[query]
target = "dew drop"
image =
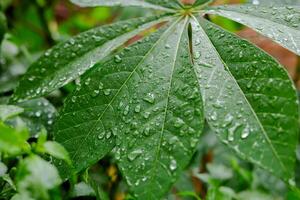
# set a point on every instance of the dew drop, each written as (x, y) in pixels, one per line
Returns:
(118, 59)
(173, 165)
(150, 98)
(134, 154)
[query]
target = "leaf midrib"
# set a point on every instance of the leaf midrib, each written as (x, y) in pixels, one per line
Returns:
(167, 102)
(114, 97)
(250, 106)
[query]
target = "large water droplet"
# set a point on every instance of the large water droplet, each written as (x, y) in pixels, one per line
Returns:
(134, 154)
(150, 97)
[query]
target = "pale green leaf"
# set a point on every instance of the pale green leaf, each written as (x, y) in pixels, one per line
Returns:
(280, 23)
(145, 101)
(35, 177)
(56, 150)
(249, 99)
(12, 141)
(67, 61)
(165, 5)
(9, 111)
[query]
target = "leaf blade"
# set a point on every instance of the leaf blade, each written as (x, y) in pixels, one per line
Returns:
(137, 102)
(160, 146)
(255, 138)
(67, 61)
(70, 130)
(281, 24)
(153, 4)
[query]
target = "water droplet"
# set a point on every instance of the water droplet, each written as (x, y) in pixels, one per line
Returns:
(107, 92)
(178, 123)
(246, 132)
(137, 109)
(173, 165)
(118, 59)
(101, 135)
(150, 98)
(126, 111)
(134, 154)
(232, 131)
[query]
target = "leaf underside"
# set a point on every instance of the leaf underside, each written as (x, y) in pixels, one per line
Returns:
(153, 4)
(147, 106)
(249, 99)
(280, 23)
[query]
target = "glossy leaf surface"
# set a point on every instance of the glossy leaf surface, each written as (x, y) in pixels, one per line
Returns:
(145, 102)
(153, 4)
(67, 61)
(280, 23)
(249, 99)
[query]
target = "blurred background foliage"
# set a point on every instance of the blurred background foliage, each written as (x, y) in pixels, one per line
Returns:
(215, 172)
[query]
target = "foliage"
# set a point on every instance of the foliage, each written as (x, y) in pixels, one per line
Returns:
(140, 93)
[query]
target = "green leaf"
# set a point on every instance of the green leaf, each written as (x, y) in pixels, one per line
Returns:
(281, 24)
(38, 114)
(67, 61)
(146, 102)
(12, 141)
(275, 2)
(35, 177)
(249, 99)
(9, 111)
(2, 26)
(153, 4)
(3, 169)
(83, 189)
(56, 150)
(201, 2)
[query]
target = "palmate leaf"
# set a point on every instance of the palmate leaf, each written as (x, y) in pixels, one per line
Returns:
(282, 24)
(146, 105)
(67, 61)
(249, 99)
(165, 5)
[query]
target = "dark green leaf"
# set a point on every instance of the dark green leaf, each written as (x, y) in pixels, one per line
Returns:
(67, 61)
(282, 24)
(9, 111)
(250, 101)
(146, 101)
(153, 4)
(2, 26)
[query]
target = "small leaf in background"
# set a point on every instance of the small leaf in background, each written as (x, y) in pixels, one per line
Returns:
(9, 111)
(35, 177)
(56, 150)
(82, 189)
(3, 169)
(13, 141)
